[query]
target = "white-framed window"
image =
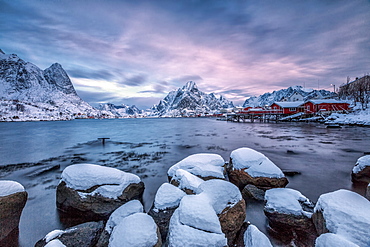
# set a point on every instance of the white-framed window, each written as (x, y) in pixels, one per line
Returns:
(292, 109)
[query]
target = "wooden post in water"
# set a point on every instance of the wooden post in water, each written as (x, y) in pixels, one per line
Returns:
(103, 139)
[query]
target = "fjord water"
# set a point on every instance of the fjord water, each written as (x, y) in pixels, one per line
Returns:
(148, 147)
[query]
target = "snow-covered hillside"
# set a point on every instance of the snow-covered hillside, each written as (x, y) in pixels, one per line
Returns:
(296, 91)
(121, 111)
(29, 93)
(188, 101)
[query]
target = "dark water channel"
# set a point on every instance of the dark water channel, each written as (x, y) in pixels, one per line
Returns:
(35, 154)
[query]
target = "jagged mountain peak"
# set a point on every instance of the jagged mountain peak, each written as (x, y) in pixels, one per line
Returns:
(190, 86)
(1, 52)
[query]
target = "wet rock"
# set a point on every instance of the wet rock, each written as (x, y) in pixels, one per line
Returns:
(290, 215)
(136, 230)
(166, 200)
(83, 235)
(251, 191)
(204, 165)
(291, 173)
(93, 192)
(368, 192)
(13, 198)
(361, 171)
(345, 213)
(247, 166)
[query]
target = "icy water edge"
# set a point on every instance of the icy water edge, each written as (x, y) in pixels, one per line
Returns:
(35, 154)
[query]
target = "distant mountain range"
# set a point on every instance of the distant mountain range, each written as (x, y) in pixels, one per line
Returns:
(188, 101)
(120, 111)
(294, 93)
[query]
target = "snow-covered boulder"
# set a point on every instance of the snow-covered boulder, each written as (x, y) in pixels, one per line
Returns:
(136, 230)
(204, 165)
(166, 200)
(83, 235)
(253, 237)
(290, 214)
(129, 208)
(217, 210)
(344, 213)
(94, 192)
(247, 166)
(13, 198)
(361, 171)
(186, 181)
(331, 239)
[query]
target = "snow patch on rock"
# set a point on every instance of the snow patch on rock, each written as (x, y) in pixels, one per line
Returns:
(111, 181)
(168, 196)
(254, 163)
(361, 163)
(253, 237)
(187, 180)
(331, 239)
(8, 187)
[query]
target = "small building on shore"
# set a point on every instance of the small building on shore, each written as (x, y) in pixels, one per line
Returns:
(326, 105)
(288, 107)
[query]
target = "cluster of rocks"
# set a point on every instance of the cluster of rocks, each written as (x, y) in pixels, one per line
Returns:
(203, 204)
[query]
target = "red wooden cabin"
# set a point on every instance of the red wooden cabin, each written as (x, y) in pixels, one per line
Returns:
(288, 107)
(313, 106)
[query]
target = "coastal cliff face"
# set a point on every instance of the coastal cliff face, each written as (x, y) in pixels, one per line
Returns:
(190, 100)
(30, 93)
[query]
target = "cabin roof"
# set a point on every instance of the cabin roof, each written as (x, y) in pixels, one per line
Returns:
(289, 104)
(328, 101)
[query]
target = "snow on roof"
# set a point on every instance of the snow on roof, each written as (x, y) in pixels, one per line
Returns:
(331, 239)
(328, 101)
(135, 230)
(8, 187)
(255, 238)
(361, 164)
(129, 208)
(168, 196)
(287, 201)
(203, 164)
(187, 180)
(186, 236)
(112, 181)
(347, 214)
(221, 193)
(255, 163)
(289, 104)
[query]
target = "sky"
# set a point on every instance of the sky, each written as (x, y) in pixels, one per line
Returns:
(135, 52)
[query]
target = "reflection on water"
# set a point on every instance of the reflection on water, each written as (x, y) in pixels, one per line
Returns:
(323, 158)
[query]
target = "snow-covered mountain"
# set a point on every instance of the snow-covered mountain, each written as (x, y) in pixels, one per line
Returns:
(294, 93)
(189, 100)
(120, 111)
(30, 93)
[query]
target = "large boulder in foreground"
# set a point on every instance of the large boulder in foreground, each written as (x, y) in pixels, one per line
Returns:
(247, 166)
(93, 192)
(361, 171)
(13, 198)
(83, 235)
(166, 200)
(344, 213)
(331, 239)
(136, 230)
(290, 215)
(204, 165)
(213, 217)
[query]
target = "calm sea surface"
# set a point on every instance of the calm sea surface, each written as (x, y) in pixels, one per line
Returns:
(148, 147)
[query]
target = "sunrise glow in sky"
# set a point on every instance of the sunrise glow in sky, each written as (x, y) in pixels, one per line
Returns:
(135, 52)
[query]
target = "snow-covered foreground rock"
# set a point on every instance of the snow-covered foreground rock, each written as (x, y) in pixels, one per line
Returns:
(166, 200)
(290, 215)
(83, 235)
(203, 165)
(361, 171)
(331, 239)
(213, 217)
(344, 213)
(255, 238)
(248, 166)
(13, 198)
(94, 192)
